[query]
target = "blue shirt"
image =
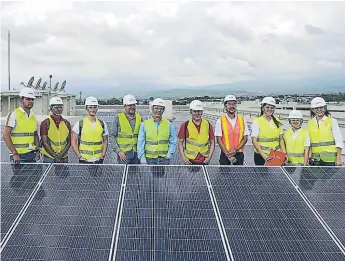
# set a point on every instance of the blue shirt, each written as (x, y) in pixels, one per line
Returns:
(142, 139)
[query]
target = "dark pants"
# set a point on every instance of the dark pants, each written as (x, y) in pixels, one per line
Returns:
(93, 162)
(158, 161)
(27, 157)
(313, 162)
(50, 160)
(131, 156)
(197, 163)
(258, 159)
(223, 160)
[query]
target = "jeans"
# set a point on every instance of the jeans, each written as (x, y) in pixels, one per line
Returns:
(131, 156)
(27, 157)
(50, 160)
(158, 161)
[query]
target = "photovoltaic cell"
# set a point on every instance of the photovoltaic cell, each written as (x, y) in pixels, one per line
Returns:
(325, 189)
(74, 217)
(168, 215)
(266, 219)
(17, 184)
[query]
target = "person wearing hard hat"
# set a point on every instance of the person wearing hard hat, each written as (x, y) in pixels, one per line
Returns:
(125, 131)
(297, 140)
(90, 135)
(196, 137)
(232, 133)
(326, 141)
(20, 131)
(55, 133)
(157, 138)
(267, 132)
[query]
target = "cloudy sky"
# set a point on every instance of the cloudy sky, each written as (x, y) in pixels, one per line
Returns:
(186, 44)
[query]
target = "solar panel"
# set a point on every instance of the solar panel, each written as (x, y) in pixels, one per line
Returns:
(325, 189)
(265, 218)
(18, 181)
(73, 219)
(168, 215)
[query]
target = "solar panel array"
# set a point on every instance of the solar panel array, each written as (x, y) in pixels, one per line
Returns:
(118, 212)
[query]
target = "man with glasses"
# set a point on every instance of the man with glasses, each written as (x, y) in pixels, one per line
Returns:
(55, 134)
(157, 138)
(196, 137)
(90, 135)
(125, 131)
(20, 131)
(232, 134)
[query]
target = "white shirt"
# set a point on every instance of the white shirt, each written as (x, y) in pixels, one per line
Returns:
(338, 138)
(218, 130)
(256, 130)
(11, 121)
(307, 140)
(93, 124)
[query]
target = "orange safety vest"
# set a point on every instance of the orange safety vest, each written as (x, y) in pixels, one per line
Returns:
(231, 137)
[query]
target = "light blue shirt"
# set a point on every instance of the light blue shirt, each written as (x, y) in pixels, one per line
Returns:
(142, 139)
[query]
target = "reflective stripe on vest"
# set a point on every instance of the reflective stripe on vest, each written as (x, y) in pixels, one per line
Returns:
(91, 140)
(157, 139)
(197, 142)
(126, 137)
(269, 135)
(295, 148)
(232, 137)
(57, 137)
(23, 134)
(321, 140)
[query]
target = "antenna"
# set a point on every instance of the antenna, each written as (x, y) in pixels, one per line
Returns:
(44, 86)
(56, 86)
(80, 95)
(62, 88)
(38, 83)
(30, 82)
(22, 84)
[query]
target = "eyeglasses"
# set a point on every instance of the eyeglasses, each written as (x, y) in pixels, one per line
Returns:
(57, 107)
(92, 107)
(195, 111)
(269, 107)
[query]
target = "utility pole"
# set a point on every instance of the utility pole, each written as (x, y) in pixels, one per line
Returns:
(9, 63)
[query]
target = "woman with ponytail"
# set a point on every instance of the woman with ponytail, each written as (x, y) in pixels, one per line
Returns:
(267, 132)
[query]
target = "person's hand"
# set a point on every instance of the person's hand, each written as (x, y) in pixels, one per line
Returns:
(16, 159)
(338, 162)
(233, 160)
(232, 153)
(207, 160)
(267, 158)
(186, 160)
(82, 158)
(38, 155)
(286, 161)
(122, 155)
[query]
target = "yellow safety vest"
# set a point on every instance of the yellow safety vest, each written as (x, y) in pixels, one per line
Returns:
(295, 148)
(57, 137)
(322, 142)
(23, 133)
(91, 140)
(268, 137)
(126, 137)
(197, 142)
(157, 139)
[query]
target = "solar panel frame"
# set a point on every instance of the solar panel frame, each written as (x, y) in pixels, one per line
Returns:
(243, 249)
(324, 189)
(61, 238)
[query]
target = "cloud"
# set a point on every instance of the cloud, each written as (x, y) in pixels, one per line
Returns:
(177, 44)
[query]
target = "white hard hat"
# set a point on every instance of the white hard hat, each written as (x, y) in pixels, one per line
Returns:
(158, 102)
(27, 93)
(129, 99)
(317, 102)
(295, 115)
(269, 100)
(90, 101)
(196, 105)
(229, 98)
(55, 101)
